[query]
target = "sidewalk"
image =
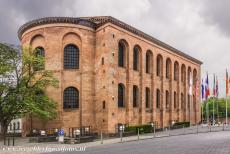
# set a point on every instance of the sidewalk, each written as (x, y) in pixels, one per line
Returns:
(24, 142)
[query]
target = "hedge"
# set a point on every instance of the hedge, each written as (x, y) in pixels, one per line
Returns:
(142, 128)
(185, 124)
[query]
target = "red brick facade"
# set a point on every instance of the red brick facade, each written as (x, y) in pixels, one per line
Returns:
(99, 74)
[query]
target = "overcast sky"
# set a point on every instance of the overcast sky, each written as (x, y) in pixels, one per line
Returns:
(200, 28)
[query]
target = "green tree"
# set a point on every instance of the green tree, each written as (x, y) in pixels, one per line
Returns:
(23, 85)
(219, 107)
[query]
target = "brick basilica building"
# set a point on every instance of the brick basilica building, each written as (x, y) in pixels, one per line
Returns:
(110, 73)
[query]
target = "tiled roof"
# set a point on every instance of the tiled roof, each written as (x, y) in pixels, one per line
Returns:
(95, 22)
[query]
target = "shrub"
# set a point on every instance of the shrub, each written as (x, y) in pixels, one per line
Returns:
(147, 128)
(184, 123)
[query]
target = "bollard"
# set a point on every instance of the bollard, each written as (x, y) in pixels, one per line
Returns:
(101, 138)
(121, 135)
(210, 128)
(223, 126)
(154, 131)
(138, 134)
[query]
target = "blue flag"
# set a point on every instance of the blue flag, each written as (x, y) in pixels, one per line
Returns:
(202, 90)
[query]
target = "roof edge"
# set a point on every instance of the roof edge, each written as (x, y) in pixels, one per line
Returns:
(98, 21)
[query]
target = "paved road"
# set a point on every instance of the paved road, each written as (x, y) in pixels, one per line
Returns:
(205, 143)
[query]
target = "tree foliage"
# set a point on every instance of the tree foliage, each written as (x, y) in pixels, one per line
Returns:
(219, 107)
(22, 85)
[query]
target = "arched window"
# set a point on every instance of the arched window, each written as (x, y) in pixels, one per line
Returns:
(14, 126)
(158, 96)
(183, 73)
(136, 59)
(71, 57)
(189, 74)
(121, 95)
(159, 65)
(194, 77)
(135, 96)
(18, 125)
(70, 98)
(121, 54)
(167, 98)
(168, 68)
(182, 101)
(147, 97)
(148, 61)
(39, 52)
(176, 71)
(175, 100)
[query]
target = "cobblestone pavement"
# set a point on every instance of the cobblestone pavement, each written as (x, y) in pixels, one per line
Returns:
(205, 143)
(212, 143)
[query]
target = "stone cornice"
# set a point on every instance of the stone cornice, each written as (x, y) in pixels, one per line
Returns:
(95, 22)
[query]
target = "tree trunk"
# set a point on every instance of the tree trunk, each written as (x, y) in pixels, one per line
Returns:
(3, 131)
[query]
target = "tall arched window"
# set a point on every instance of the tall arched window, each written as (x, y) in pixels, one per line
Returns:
(148, 61)
(135, 96)
(183, 73)
(121, 95)
(168, 68)
(121, 54)
(147, 97)
(167, 99)
(175, 100)
(70, 98)
(159, 65)
(136, 59)
(194, 77)
(189, 74)
(182, 101)
(176, 71)
(158, 98)
(39, 52)
(71, 57)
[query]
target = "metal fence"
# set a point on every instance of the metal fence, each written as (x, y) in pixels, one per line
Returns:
(166, 132)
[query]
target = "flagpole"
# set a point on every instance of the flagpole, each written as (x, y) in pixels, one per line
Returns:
(202, 114)
(207, 114)
(226, 120)
(213, 117)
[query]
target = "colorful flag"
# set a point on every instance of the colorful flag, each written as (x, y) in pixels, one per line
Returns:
(227, 81)
(202, 90)
(217, 88)
(207, 92)
(190, 84)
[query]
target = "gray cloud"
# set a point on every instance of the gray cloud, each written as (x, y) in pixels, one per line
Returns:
(217, 13)
(199, 28)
